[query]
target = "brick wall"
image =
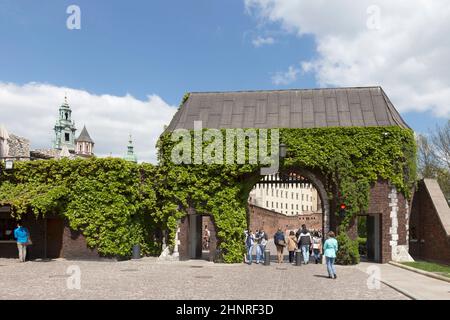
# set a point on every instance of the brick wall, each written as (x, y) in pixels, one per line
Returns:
(183, 237)
(381, 204)
(74, 245)
(209, 221)
(268, 220)
(428, 239)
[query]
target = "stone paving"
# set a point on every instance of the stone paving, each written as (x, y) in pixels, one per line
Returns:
(149, 278)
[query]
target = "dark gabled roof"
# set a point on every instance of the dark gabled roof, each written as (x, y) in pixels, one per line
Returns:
(304, 108)
(84, 136)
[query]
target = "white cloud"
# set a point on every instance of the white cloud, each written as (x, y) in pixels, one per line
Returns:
(402, 45)
(285, 77)
(31, 111)
(260, 41)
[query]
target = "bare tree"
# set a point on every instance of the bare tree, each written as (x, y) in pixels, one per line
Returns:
(441, 142)
(434, 157)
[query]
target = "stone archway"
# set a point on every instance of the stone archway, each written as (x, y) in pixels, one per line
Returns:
(285, 177)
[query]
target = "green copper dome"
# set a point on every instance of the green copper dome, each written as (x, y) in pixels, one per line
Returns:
(130, 156)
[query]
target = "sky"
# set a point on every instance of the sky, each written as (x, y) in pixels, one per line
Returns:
(127, 68)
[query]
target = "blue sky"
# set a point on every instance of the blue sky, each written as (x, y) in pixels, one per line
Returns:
(166, 48)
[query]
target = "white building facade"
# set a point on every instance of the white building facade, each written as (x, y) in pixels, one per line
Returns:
(289, 199)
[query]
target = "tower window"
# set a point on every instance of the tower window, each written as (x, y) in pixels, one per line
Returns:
(67, 137)
(66, 115)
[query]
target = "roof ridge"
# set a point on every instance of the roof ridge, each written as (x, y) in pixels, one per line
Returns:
(284, 90)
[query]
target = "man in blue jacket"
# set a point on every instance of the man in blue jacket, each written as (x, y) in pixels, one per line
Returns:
(22, 236)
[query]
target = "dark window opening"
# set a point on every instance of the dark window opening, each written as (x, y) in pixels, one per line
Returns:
(7, 227)
(67, 136)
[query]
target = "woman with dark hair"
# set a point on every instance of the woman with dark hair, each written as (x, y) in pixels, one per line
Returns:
(23, 239)
(330, 249)
(280, 243)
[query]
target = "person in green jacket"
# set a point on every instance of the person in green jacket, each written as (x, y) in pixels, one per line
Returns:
(330, 249)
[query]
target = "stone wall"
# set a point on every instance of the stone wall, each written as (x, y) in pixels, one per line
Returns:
(19, 147)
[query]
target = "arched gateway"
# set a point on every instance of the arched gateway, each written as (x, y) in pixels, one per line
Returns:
(317, 116)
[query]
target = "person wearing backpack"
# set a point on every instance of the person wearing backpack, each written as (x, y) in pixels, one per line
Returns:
(250, 243)
(22, 236)
(280, 243)
(304, 243)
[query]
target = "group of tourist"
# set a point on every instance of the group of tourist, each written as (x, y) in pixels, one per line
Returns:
(258, 241)
(309, 244)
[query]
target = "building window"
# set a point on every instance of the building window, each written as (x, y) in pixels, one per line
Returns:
(296, 206)
(267, 204)
(281, 194)
(272, 204)
(296, 196)
(303, 197)
(277, 193)
(292, 195)
(292, 206)
(303, 209)
(276, 204)
(67, 137)
(285, 206)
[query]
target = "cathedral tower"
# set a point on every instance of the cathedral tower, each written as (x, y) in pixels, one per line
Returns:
(130, 156)
(65, 129)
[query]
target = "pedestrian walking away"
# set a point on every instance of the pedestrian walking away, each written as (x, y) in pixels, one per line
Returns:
(304, 243)
(330, 248)
(317, 246)
(292, 246)
(280, 243)
(22, 236)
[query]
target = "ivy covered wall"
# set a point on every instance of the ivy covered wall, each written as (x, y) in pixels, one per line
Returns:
(117, 204)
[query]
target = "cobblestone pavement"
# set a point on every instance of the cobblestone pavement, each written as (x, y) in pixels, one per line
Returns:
(149, 278)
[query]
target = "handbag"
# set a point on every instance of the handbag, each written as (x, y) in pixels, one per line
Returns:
(29, 242)
(281, 243)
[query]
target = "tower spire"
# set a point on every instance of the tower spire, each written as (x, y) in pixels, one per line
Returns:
(130, 156)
